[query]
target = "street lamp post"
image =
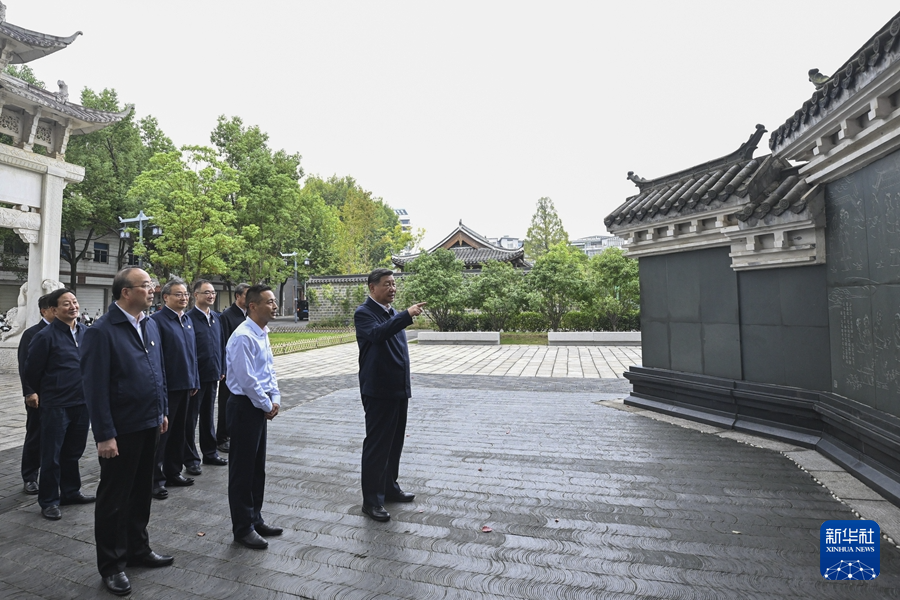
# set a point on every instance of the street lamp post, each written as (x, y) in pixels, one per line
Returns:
(294, 254)
(140, 219)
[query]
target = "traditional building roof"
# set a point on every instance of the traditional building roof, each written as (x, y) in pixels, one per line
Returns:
(19, 45)
(82, 119)
(833, 92)
(472, 248)
(753, 186)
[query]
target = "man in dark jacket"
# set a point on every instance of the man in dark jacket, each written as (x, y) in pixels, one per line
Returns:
(179, 347)
(125, 388)
(53, 370)
(232, 316)
(31, 448)
(385, 388)
(211, 364)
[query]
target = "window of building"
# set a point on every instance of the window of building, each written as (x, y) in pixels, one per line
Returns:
(131, 260)
(64, 249)
(101, 252)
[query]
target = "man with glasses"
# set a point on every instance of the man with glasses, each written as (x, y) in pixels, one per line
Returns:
(179, 346)
(232, 316)
(210, 361)
(125, 389)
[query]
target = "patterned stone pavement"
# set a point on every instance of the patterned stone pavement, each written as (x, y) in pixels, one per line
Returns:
(586, 498)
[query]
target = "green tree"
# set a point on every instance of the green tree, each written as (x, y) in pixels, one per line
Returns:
(436, 278)
(614, 288)
(559, 278)
(499, 293)
(25, 73)
(271, 217)
(186, 192)
(112, 158)
(546, 230)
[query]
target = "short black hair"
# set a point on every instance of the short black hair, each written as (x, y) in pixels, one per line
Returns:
(377, 275)
(255, 292)
(53, 297)
(120, 282)
(42, 302)
(198, 284)
(241, 289)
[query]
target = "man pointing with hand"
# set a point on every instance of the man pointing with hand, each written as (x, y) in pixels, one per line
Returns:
(385, 388)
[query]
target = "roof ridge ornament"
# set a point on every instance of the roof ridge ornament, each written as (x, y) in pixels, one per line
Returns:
(636, 179)
(818, 79)
(63, 94)
(2, 12)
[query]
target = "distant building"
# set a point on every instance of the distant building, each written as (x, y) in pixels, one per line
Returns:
(471, 248)
(508, 242)
(405, 222)
(595, 244)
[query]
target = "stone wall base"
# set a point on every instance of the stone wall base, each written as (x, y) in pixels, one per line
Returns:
(861, 439)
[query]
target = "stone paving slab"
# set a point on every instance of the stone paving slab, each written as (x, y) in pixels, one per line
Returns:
(585, 501)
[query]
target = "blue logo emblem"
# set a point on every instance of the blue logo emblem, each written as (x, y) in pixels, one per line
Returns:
(850, 550)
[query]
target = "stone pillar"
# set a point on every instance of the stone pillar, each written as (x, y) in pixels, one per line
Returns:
(43, 256)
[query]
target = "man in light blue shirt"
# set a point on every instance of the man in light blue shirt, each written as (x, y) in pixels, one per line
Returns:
(254, 400)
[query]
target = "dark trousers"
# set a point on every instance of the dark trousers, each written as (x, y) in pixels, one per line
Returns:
(201, 407)
(170, 450)
(31, 449)
(222, 421)
(385, 432)
(246, 464)
(123, 501)
(64, 432)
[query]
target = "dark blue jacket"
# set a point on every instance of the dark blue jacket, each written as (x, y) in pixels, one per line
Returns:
(210, 359)
(124, 379)
(179, 349)
(231, 317)
(24, 342)
(383, 351)
(53, 368)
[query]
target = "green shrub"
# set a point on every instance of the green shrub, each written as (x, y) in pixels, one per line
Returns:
(578, 321)
(529, 321)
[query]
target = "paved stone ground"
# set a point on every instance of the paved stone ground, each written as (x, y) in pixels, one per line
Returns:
(586, 499)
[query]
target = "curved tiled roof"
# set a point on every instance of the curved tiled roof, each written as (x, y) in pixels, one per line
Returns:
(93, 119)
(833, 92)
(759, 187)
(32, 44)
(472, 257)
(690, 189)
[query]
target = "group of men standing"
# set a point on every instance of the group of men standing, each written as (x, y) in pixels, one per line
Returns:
(142, 384)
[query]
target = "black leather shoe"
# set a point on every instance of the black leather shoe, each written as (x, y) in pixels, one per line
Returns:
(401, 497)
(31, 488)
(78, 498)
(253, 541)
(224, 446)
(160, 493)
(376, 512)
(179, 481)
(118, 584)
(215, 460)
(267, 530)
(152, 561)
(52, 513)
(193, 470)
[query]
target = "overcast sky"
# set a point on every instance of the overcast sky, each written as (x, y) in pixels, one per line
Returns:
(465, 110)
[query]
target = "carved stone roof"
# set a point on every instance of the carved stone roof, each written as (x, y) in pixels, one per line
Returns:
(881, 50)
(30, 45)
(87, 119)
(472, 248)
(754, 187)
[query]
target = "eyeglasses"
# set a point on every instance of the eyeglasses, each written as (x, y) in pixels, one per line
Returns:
(180, 295)
(213, 293)
(143, 286)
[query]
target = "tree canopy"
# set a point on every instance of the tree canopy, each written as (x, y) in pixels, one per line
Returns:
(546, 230)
